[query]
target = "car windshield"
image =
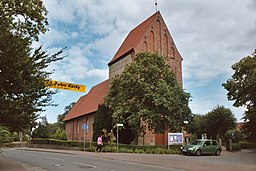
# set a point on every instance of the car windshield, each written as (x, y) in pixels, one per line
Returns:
(197, 142)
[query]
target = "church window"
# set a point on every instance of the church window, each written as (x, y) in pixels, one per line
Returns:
(165, 43)
(145, 46)
(172, 52)
(159, 36)
(152, 41)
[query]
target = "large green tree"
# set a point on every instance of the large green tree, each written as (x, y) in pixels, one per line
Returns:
(22, 69)
(147, 94)
(43, 129)
(102, 120)
(197, 125)
(241, 88)
(219, 121)
(214, 123)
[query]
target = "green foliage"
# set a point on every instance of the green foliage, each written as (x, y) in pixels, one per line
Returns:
(102, 121)
(247, 145)
(241, 88)
(42, 131)
(59, 142)
(52, 130)
(214, 123)
(197, 125)
(4, 135)
(123, 148)
(25, 18)
(22, 69)
(234, 135)
(60, 134)
(148, 92)
(236, 146)
(219, 121)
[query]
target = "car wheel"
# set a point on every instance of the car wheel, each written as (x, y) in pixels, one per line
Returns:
(217, 152)
(198, 152)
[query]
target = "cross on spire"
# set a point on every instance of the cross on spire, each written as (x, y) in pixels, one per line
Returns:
(156, 4)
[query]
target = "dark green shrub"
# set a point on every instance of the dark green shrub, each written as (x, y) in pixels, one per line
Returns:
(248, 145)
(4, 135)
(234, 135)
(124, 148)
(236, 146)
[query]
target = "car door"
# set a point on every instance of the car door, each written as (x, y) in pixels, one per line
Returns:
(206, 148)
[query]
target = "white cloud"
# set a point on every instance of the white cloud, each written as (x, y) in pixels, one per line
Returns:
(210, 35)
(53, 37)
(102, 74)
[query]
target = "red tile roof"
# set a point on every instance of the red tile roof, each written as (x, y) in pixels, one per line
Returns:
(89, 102)
(133, 38)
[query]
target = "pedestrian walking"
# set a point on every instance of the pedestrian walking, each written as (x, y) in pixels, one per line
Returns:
(99, 143)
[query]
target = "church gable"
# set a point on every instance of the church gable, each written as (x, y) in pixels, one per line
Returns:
(151, 35)
(157, 38)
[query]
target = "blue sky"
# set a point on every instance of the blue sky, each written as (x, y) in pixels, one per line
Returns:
(210, 35)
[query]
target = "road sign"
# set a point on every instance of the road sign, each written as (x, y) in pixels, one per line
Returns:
(84, 127)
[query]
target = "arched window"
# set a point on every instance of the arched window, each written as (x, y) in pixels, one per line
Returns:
(152, 41)
(172, 52)
(165, 44)
(159, 46)
(145, 46)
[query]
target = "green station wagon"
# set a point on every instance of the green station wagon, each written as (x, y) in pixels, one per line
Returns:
(202, 146)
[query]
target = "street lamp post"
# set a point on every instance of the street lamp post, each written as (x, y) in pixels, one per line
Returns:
(117, 135)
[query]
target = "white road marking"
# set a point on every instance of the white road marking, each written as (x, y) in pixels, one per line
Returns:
(53, 158)
(83, 164)
(33, 155)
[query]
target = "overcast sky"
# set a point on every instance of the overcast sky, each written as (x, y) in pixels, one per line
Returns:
(210, 36)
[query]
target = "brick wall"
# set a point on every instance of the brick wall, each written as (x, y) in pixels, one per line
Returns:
(74, 128)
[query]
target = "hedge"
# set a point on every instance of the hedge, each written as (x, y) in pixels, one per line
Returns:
(126, 148)
(247, 145)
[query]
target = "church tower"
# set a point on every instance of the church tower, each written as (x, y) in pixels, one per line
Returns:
(152, 35)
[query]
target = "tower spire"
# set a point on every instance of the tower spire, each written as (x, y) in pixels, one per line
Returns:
(156, 4)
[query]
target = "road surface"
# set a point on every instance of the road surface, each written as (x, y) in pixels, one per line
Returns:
(55, 160)
(43, 161)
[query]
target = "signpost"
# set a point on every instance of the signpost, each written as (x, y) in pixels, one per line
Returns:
(85, 128)
(117, 136)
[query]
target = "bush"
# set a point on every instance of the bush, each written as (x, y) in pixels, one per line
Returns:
(248, 145)
(4, 135)
(236, 146)
(234, 135)
(108, 147)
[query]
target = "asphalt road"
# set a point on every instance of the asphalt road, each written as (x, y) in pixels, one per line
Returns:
(55, 160)
(67, 162)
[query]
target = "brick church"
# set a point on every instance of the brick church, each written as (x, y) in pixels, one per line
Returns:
(151, 35)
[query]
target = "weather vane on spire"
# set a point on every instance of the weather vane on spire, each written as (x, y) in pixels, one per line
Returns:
(156, 4)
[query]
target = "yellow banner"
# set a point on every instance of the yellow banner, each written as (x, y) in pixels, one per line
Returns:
(65, 86)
